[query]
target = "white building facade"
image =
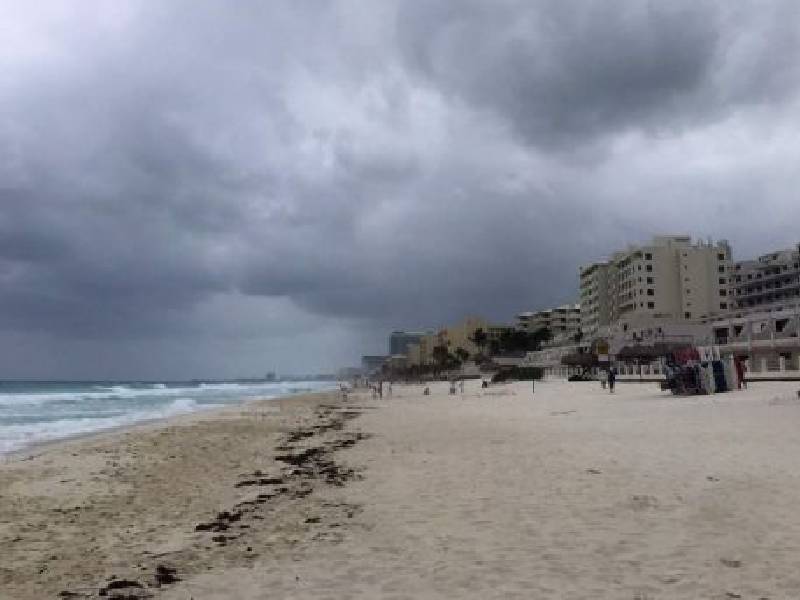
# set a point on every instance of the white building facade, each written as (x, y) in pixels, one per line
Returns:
(770, 282)
(563, 320)
(595, 299)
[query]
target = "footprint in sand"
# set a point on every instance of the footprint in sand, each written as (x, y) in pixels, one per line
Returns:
(643, 502)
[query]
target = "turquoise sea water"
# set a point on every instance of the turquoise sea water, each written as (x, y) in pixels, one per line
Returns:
(32, 412)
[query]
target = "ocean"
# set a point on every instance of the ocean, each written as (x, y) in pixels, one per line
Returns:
(32, 412)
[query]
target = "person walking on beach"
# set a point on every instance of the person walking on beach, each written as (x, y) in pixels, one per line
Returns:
(612, 379)
(603, 378)
(741, 382)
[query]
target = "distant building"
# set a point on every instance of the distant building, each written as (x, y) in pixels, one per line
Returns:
(371, 364)
(595, 310)
(670, 278)
(763, 325)
(455, 337)
(563, 320)
(772, 281)
(399, 341)
(769, 340)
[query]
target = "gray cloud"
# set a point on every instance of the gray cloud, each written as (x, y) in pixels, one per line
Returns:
(564, 75)
(283, 183)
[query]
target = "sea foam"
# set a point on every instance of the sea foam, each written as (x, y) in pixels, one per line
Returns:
(37, 412)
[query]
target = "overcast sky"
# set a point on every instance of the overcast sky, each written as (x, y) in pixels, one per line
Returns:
(196, 188)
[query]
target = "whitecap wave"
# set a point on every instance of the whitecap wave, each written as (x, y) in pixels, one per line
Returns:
(28, 417)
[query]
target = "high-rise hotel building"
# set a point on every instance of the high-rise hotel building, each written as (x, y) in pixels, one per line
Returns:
(770, 282)
(670, 278)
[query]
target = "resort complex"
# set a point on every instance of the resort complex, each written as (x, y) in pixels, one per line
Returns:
(635, 307)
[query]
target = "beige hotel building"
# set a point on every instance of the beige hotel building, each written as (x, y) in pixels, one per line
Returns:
(669, 279)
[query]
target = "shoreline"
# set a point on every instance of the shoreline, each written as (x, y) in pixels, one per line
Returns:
(32, 447)
(136, 499)
(567, 491)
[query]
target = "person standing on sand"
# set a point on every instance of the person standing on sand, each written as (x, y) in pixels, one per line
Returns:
(612, 379)
(603, 378)
(740, 369)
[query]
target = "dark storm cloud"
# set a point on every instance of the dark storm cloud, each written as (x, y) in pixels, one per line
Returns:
(564, 73)
(300, 177)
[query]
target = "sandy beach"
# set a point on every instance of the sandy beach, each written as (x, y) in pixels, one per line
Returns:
(566, 493)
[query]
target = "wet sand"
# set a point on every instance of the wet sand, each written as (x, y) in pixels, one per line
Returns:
(155, 503)
(498, 493)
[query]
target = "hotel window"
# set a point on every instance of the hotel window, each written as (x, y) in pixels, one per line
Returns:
(723, 305)
(721, 256)
(687, 315)
(650, 292)
(651, 305)
(723, 292)
(650, 280)
(722, 268)
(648, 256)
(722, 281)
(649, 268)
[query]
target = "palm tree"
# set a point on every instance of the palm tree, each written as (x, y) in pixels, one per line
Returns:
(462, 354)
(441, 356)
(479, 338)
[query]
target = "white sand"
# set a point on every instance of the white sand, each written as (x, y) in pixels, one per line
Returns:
(491, 496)
(568, 493)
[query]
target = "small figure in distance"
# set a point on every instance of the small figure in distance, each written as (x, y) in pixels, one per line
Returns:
(484, 384)
(741, 382)
(461, 385)
(603, 378)
(452, 387)
(427, 391)
(612, 379)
